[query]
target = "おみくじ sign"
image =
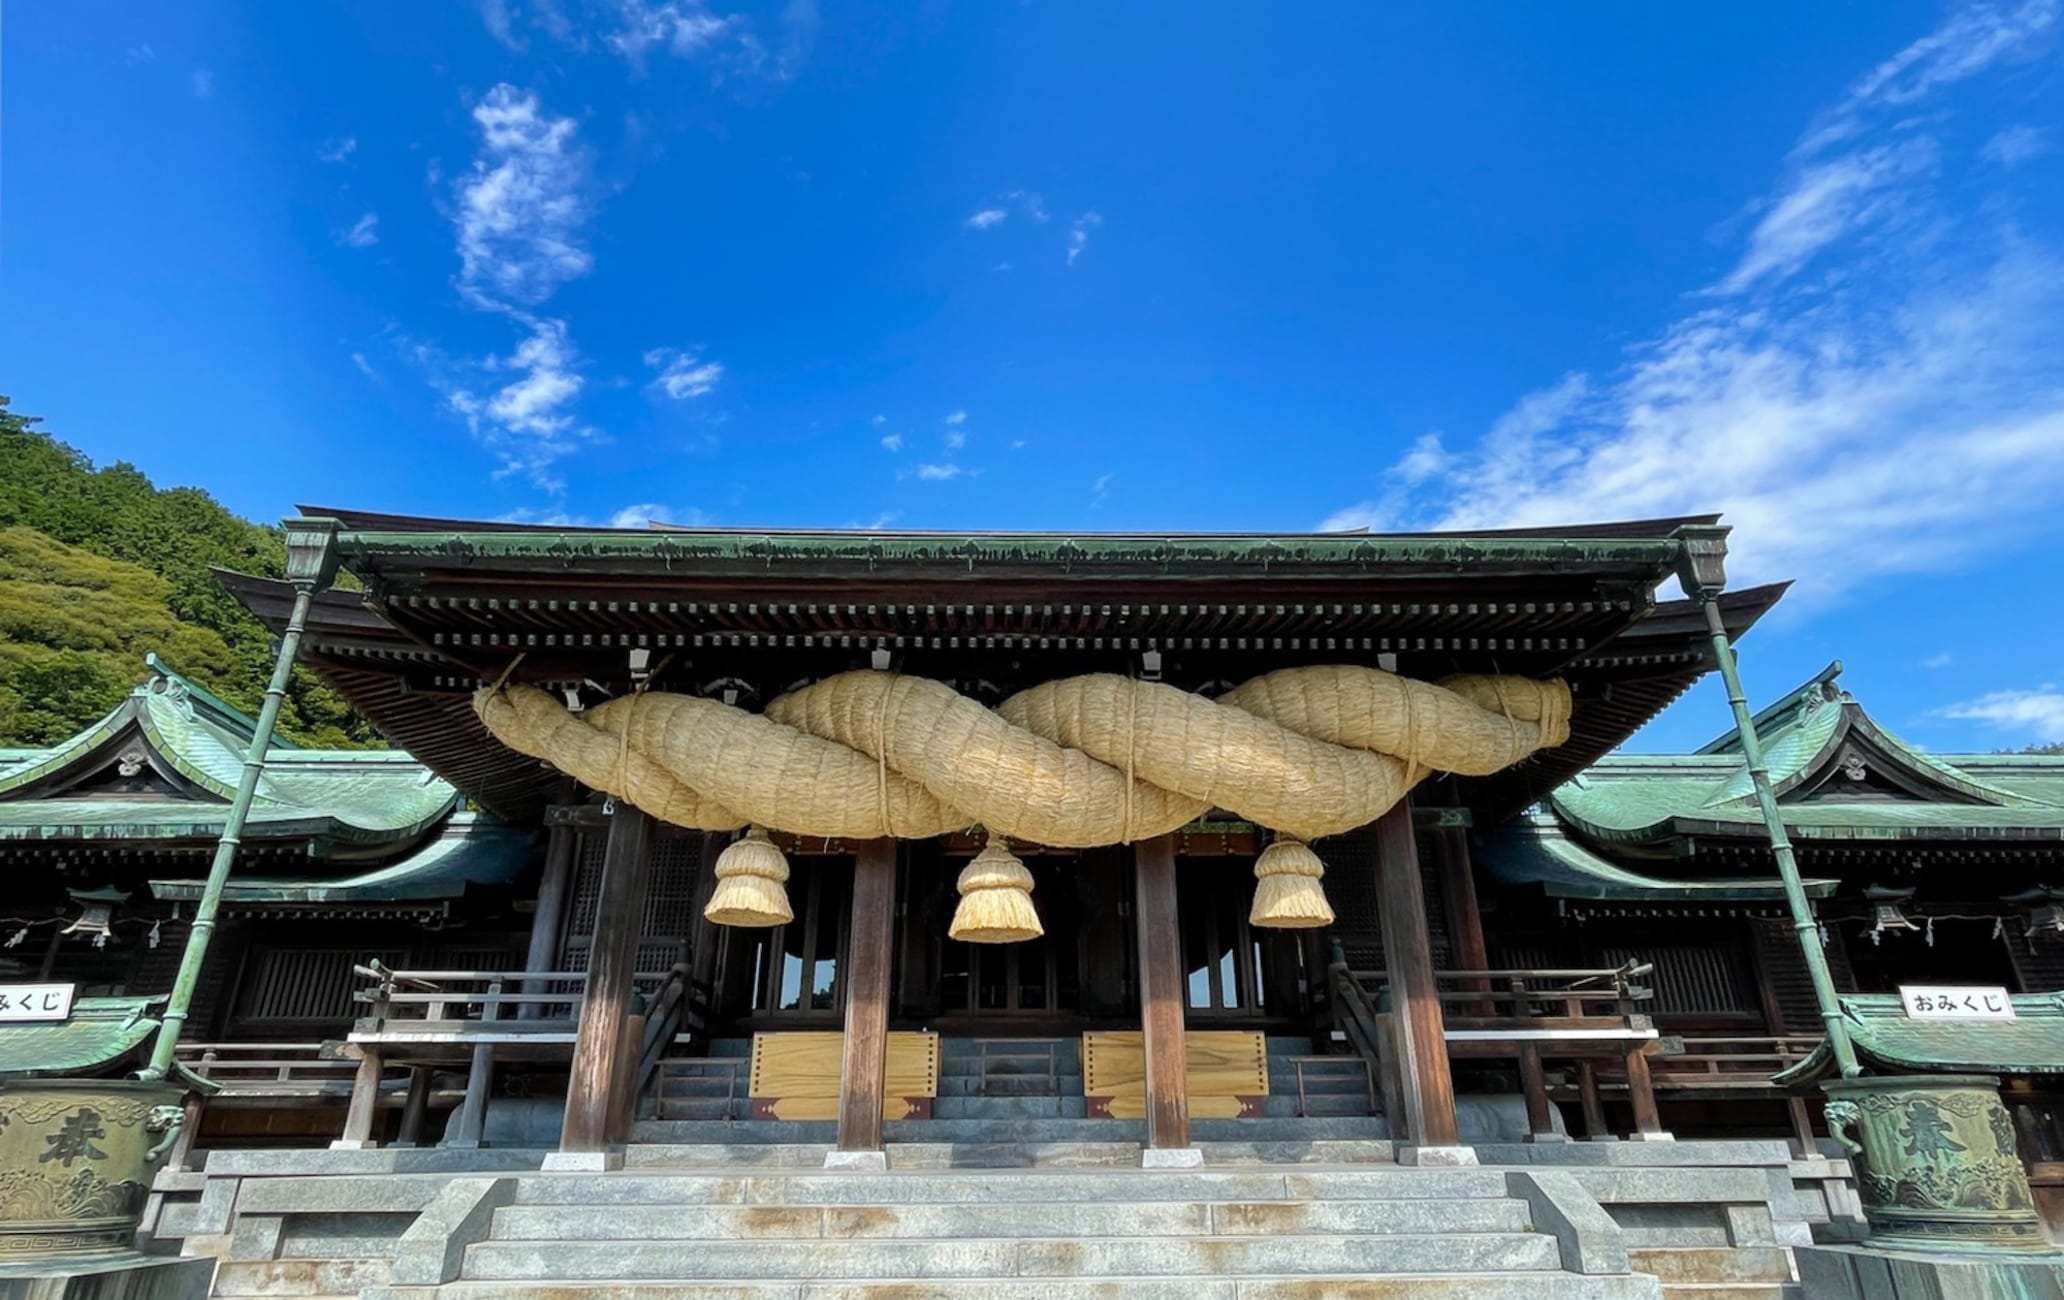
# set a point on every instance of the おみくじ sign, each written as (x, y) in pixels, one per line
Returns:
(1952, 1002)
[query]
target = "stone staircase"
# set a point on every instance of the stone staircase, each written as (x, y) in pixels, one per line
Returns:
(1255, 1233)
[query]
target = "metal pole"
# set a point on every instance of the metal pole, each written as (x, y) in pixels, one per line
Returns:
(308, 572)
(1781, 845)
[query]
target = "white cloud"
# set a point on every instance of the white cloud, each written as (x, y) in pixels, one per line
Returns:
(1078, 234)
(494, 14)
(683, 375)
(521, 205)
(1017, 444)
(1100, 490)
(1940, 659)
(892, 441)
(337, 148)
(365, 367)
(364, 232)
(957, 418)
(203, 84)
(136, 54)
(938, 473)
(879, 420)
(528, 421)
(2014, 145)
(683, 28)
(2036, 714)
(986, 218)
(1901, 411)
(1030, 203)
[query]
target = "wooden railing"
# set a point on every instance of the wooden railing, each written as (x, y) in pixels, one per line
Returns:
(1539, 999)
(283, 1070)
(1730, 1061)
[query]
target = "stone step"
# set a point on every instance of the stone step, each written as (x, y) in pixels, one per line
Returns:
(921, 1187)
(1727, 1265)
(299, 1278)
(1733, 1291)
(1010, 1085)
(1022, 1257)
(1268, 1129)
(1009, 1108)
(1003, 1155)
(1028, 1219)
(1396, 1286)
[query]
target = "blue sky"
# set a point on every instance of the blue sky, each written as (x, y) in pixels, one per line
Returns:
(1072, 266)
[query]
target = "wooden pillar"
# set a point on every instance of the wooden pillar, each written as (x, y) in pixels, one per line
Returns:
(415, 1107)
(1802, 1125)
(871, 944)
(365, 1102)
(1594, 1106)
(591, 1088)
(1161, 994)
(1533, 1085)
(1465, 917)
(1648, 1122)
(1428, 1102)
(471, 1121)
(549, 916)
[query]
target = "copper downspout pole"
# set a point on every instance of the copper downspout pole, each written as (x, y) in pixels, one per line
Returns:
(311, 564)
(1702, 570)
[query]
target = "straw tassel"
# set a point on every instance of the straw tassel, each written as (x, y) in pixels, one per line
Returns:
(751, 877)
(1287, 893)
(995, 899)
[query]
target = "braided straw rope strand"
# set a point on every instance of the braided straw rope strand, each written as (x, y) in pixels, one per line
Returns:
(1075, 763)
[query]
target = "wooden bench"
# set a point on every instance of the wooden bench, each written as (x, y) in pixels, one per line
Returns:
(798, 1075)
(1227, 1073)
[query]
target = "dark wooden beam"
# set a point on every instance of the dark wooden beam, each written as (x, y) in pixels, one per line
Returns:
(1428, 1091)
(592, 1083)
(1161, 993)
(871, 946)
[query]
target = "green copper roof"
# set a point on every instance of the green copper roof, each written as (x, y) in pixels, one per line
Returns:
(196, 744)
(2031, 1043)
(102, 1035)
(1811, 737)
(471, 849)
(1535, 850)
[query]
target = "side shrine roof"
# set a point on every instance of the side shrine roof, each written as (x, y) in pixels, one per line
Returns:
(448, 606)
(101, 1035)
(164, 764)
(1838, 775)
(470, 849)
(2031, 1043)
(1535, 849)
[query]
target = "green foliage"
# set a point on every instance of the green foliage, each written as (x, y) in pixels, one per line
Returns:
(98, 567)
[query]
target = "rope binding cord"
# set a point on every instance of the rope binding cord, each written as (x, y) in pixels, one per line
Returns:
(1307, 752)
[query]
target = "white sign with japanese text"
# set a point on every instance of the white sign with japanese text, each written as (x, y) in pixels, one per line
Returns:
(20, 1002)
(1954, 1002)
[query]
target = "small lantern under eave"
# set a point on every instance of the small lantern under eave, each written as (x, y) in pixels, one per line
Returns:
(995, 899)
(96, 915)
(1287, 892)
(1885, 913)
(752, 880)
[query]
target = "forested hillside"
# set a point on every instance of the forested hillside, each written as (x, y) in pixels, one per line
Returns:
(99, 567)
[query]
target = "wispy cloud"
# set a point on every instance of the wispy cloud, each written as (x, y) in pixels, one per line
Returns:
(683, 375)
(2032, 714)
(522, 204)
(1849, 346)
(337, 148)
(892, 441)
(938, 473)
(985, 218)
(1940, 659)
(1026, 203)
(879, 420)
(500, 23)
(203, 84)
(1078, 234)
(647, 513)
(136, 54)
(528, 420)
(1100, 490)
(365, 367)
(956, 432)
(364, 233)
(2015, 145)
(518, 215)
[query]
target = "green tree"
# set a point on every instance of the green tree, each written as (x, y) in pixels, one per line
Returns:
(99, 567)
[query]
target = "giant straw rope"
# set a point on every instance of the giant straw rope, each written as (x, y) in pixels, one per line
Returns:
(1074, 763)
